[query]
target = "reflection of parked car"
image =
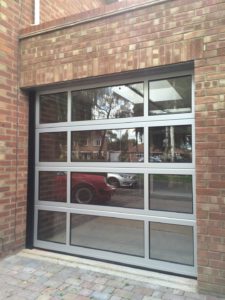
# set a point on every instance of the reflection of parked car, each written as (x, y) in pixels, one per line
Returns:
(86, 187)
(155, 158)
(121, 180)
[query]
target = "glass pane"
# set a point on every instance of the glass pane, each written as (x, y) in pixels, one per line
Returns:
(120, 101)
(52, 226)
(112, 189)
(172, 243)
(53, 108)
(170, 144)
(171, 193)
(53, 146)
(111, 145)
(172, 95)
(52, 186)
(109, 234)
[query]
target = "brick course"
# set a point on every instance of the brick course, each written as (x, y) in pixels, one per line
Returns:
(51, 10)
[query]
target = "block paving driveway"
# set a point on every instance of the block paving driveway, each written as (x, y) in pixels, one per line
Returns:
(30, 277)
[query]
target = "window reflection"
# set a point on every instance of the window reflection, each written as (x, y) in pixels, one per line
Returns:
(52, 226)
(171, 95)
(108, 189)
(52, 186)
(53, 108)
(53, 146)
(114, 145)
(170, 144)
(108, 234)
(120, 101)
(171, 193)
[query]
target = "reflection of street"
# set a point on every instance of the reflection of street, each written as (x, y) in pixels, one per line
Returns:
(109, 234)
(127, 197)
(175, 196)
(172, 243)
(182, 204)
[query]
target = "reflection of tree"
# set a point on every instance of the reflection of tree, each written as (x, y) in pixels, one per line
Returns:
(99, 103)
(114, 140)
(103, 136)
(107, 103)
(120, 142)
(166, 144)
(139, 131)
(62, 110)
(138, 111)
(106, 109)
(124, 146)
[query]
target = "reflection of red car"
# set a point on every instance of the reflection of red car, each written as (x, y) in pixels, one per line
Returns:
(86, 187)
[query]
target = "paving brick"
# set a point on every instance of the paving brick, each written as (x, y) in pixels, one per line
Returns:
(12, 286)
(100, 296)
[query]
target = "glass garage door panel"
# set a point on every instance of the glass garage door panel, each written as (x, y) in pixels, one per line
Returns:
(108, 189)
(52, 226)
(111, 145)
(108, 234)
(170, 144)
(52, 186)
(170, 95)
(121, 101)
(53, 147)
(172, 243)
(53, 108)
(171, 193)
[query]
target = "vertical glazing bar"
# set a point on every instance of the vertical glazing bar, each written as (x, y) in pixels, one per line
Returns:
(68, 186)
(146, 191)
(68, 146)
(67, 228)
(146, 240)
(146, 98)
(69, 106)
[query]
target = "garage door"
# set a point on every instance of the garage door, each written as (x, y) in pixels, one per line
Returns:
(115, 172)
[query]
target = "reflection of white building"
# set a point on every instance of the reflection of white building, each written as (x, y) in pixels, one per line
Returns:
(113, 156)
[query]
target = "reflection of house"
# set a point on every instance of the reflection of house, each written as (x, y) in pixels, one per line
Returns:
(97, 146)
(89, 145)
(136, 152)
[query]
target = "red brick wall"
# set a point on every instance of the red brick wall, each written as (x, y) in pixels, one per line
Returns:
(13, 129)
(171, 32)
(50, 10)
(27, 10)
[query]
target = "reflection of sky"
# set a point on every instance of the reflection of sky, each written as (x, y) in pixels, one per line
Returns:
(131, 133)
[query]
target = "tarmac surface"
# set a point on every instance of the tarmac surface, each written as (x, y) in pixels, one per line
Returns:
(42, 275)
